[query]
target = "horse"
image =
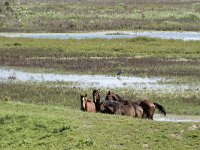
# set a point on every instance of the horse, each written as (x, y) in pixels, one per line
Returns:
(116, 97)
(148, 106)
(118, 108)
(87, 105)
(96, 99)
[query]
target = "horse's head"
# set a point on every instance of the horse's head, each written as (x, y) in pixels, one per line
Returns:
(114, 97)
(110, 96)
(96, 95)
(83, 101)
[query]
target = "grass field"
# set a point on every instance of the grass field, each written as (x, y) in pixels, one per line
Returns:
(25, 126)
(86, 15)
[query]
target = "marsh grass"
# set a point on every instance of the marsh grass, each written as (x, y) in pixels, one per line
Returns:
(138, 56)
(68, 16)
(28, 126)
(61, 94)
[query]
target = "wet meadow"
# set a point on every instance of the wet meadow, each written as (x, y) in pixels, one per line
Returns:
(137, 56)
(47, 115)
(141, 56)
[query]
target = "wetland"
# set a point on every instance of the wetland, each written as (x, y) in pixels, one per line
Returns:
(53, 51)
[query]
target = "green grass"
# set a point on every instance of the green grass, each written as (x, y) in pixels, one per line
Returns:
(70, 16)
(135, 47)
(175, 59)
(62, 94)
(137, 56)
(25, 126)
(48, 116)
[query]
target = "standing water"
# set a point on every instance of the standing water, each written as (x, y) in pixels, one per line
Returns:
(97, 81)
(109, 35)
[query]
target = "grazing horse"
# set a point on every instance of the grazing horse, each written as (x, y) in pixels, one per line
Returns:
(118, 108)
(96, 99)
(87, 105)
(147, 105)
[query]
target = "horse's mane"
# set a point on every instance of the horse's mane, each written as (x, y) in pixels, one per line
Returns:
(119, 97)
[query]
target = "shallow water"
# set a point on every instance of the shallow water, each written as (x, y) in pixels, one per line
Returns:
(176, 118)
(97, 81)
(109, 35)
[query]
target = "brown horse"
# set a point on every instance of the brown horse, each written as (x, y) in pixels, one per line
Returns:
(118, 108)
(87, 105)
(147, 105)
(96, 99)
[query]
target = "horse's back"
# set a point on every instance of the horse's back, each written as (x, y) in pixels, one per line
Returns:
(127, 110)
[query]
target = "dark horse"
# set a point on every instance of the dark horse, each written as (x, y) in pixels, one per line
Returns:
(87, 105)
(118, 108)
(147, 105)
(96, 99)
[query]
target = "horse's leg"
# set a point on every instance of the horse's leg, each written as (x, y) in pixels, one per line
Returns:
(118, 112)
(152, 113)
(148, 115)
(144, 115)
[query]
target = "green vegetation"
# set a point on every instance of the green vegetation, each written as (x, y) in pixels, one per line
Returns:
(138, 56)
(61, 94)
(70, 15)
(25, 126)
(135, 47)
(47, 115)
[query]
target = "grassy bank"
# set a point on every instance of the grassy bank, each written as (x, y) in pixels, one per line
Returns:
(70, 15)
(25, 126)
(175, 102)
(139, 56)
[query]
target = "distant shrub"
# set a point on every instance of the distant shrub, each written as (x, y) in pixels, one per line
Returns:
(17, 44)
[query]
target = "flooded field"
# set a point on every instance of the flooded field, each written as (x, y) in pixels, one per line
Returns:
(178, 95)
(97, 81)
(109, 35)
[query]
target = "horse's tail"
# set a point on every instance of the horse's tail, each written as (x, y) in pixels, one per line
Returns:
(160, 108)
